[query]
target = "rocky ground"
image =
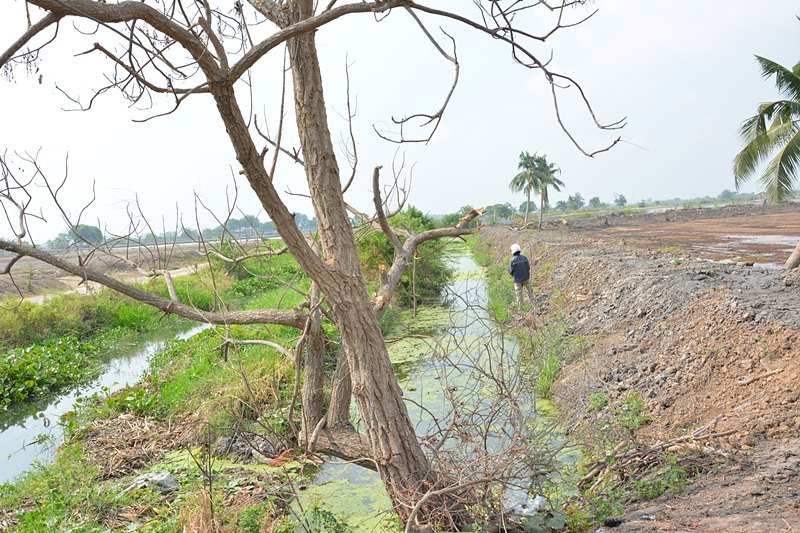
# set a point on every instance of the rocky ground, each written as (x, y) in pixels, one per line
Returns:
(705, 343)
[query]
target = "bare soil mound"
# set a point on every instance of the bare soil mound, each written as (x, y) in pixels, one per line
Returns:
(703, 343)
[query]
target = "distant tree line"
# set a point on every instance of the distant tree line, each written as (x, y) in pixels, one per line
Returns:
(248, 226)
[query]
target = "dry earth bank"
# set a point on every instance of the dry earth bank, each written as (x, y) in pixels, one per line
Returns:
(703, 343)
(32, 277)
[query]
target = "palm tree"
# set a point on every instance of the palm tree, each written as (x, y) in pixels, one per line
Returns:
(781, 138)
(526, 180)
(546, 173)
(536, 176)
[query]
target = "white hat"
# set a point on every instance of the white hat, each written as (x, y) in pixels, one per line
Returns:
(515, 248)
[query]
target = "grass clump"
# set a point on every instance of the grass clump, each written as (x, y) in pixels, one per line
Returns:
(550, 348)
(69, 315)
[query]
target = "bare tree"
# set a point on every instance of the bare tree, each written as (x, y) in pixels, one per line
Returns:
(181, 49)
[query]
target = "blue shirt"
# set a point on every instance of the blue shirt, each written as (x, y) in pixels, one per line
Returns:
(520, 268)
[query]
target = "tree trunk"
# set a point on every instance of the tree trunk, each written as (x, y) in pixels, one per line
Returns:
(794, 259)
(393, 443)
(341, 395)
(314, 368)
(541, 208)
(527, 205)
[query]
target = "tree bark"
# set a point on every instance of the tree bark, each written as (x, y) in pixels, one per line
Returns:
(541, 208)
(794, 259)
(341, 395)
(527, 206)
(393, 442)
(314, 368)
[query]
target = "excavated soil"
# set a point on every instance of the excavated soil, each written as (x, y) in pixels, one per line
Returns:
(703, 342)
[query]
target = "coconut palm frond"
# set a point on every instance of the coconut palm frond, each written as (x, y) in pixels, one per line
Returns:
(556, 183)
(519, 181)
(786, 80)
(750, 158)
(779, 177)
(781, 137)
(753, 126)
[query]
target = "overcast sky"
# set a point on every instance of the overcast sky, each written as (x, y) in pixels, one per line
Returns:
(682, 72)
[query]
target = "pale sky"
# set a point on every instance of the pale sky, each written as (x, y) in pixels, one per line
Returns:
(682, 72)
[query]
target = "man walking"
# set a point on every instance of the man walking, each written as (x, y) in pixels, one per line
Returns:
(520, 269)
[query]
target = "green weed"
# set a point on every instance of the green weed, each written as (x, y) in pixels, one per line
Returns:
(550, 348)
(32, 371)
(597, 402)
(670, 476)
(672, 250)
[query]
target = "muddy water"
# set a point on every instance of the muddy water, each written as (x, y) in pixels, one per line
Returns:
(462, 329)
(30, 432)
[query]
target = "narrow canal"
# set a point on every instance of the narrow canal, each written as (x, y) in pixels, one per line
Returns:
(467, 386)
(453, 358)
(31, 432)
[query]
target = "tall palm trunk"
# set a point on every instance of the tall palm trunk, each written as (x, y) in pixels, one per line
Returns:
(542, 201)
(794, 259)
(527, 205)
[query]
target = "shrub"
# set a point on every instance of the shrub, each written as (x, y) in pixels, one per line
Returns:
(432, 268)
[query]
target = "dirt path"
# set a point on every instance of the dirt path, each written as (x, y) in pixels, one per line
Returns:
(90, 287)
(702, 342)
(36, 279)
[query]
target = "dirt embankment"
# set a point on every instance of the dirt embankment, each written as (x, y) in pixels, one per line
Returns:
(702, 342)
(669, 215)
(31, 278)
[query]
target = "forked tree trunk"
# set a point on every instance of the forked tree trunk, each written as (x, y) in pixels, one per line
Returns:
(392, 440)
(393, 444)
(794, 259)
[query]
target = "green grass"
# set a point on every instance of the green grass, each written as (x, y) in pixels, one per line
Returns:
(192, 378)
(56, 496)
(69, 495)
(65, 340)
(629, 211)
(550, 348)
(69, 315)
(671, 250)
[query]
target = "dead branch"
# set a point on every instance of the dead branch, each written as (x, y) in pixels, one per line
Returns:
(753, 379)
(257, 342)
(48, 20)
(294, 318)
